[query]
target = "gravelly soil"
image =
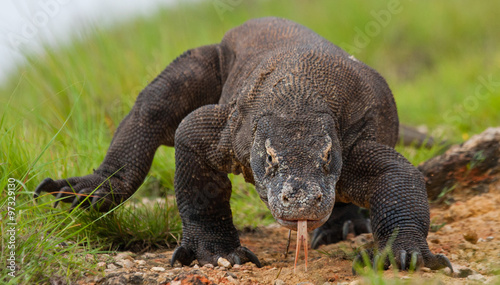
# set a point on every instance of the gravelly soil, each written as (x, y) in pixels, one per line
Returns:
(470, 237)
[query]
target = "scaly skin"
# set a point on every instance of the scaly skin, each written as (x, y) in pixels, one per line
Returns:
(301, 119)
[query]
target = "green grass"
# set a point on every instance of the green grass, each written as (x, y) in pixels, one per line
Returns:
(59, 111)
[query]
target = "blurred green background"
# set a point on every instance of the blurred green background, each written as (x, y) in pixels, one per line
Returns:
(59, 111)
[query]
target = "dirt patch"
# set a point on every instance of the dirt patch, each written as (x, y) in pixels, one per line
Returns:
(467, 232)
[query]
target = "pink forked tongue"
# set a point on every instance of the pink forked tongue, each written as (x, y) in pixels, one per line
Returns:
(302, 238)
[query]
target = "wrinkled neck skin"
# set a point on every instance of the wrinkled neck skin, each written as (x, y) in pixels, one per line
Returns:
(296, 161)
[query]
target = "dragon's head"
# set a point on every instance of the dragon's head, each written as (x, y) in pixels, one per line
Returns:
(296, 162)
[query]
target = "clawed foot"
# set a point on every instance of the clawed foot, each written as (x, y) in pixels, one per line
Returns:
(346, 219)
(238, 256)
(87, 191)
(404, 260)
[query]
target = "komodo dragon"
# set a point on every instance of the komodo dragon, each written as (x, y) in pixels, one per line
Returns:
(306, 123)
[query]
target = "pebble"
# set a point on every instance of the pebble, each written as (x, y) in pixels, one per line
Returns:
(425, 269)
(111, 266)
(140, 262)
(278, 282)
(231, 275)
(490, 238)
(196, 266)
(208, 265)
(464, 272)
(125, 263)
(123, 255)
(447, 229)
(236, 266)
(136, 278)
(149, 255)
(224, 262)
(471, 237)
(232, 280)
(158, 269)
(101, 264)
(476, 277)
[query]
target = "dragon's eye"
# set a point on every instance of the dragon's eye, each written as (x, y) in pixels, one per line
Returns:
(269, 159)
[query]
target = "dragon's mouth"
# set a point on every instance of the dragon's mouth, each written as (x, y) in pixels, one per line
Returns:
(292, 224)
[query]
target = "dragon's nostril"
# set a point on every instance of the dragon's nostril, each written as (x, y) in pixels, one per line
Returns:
(319, 197)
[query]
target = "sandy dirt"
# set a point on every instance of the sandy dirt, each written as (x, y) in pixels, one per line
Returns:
(466, 229)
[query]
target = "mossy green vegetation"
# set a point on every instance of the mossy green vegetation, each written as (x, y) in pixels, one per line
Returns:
(58, 111)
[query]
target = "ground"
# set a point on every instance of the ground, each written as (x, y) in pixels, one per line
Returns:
(465, 227)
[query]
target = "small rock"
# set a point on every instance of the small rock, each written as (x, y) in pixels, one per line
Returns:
(208, 265)
(476, 277)
(116, 280)
(149, 255)
(447, 229)
(464, 272)
(224, 262)
(140, 262)
(112, 266)
(278, 282)
(196, 266)
(158, 269)
(233, 280)
(136, 278)
(123, 255)
(231, 274)
(305, 283)
(101, 264)
(125, 263)
(446, 271)
(236, 266)
(405, 277)
(425, 269)
(471, 237)
(490, 238)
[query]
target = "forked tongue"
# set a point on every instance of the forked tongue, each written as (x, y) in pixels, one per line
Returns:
(302, 238)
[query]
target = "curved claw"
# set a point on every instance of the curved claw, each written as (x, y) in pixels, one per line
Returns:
(58, 199)
(317, 237)
(376, 262)
(414, 264)
(347, 228)
(443, 261)
(75, 202)
(369, 225)
(360, 260)
(251, 256)
(402, 259)
(183, 255)
(357, 260)
(41, 186)
(354, 263)
(236, 259)
(95, 199)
